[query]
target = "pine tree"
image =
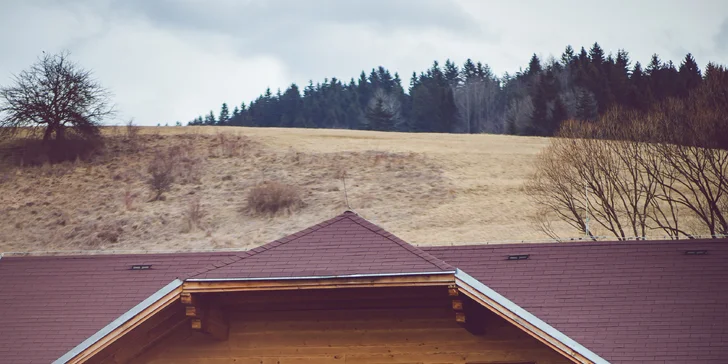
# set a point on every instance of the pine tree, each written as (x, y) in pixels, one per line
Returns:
(596, 55)
(689, 74)
(534, 66)
(568, 57)
(583, 58)
(224, 115)
(469, 71)
(379, 117)
(654, 66)
(210, 119)
(452, 74)
(291, 106)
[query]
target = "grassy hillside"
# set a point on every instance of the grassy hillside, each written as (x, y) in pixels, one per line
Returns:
(425, 188)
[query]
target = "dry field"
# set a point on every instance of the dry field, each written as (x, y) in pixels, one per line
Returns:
(426, 188)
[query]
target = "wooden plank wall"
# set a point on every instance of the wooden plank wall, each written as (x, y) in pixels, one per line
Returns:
(287, 334)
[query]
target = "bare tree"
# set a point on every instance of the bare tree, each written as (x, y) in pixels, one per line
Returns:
(637, 173)
(476, 102)
(54, 93)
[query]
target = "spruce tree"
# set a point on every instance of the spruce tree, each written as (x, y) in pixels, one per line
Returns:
(379, 117)
(224, 115)
(469, 70)
(534, 66)
(452, 74)
(596, 55)
(210, 119)
(689, 74)
(568, 57)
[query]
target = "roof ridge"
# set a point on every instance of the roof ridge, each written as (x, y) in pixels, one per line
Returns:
(437, 262)
(265, 247)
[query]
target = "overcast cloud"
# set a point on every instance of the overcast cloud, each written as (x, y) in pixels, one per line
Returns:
(172, 60)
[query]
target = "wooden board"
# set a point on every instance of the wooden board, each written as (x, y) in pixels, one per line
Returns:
(308, 333)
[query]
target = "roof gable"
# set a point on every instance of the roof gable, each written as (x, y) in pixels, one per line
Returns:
(343, 246)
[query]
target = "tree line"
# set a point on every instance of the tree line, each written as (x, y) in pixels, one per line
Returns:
(471, 98)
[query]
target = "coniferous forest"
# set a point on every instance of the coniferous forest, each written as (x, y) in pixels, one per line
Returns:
(471, 98)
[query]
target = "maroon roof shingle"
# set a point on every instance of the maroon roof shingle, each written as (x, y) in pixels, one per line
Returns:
(629, 302)
(344, 245)
(51, 304)
(48, 305)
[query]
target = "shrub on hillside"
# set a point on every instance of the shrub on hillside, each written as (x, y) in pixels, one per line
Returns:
(272, 197)
(161, 174)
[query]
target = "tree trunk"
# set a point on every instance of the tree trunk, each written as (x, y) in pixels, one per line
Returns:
(60, 133)
(47, 134)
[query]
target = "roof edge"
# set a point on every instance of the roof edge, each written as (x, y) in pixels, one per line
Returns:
(119, 321)
(502, 303)
(373, 275)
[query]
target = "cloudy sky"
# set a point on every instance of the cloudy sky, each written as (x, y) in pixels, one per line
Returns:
(172, 60)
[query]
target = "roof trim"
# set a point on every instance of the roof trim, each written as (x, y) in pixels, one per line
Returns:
(320, 282)
(74, 354)
(318, 277)
(525, 320)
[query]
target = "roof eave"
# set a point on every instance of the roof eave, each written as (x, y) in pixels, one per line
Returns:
(124, 323)
(525, 320)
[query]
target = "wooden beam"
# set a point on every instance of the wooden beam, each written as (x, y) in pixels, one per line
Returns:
(206, 316)
(191, 311)
(452, 290)
(457, 305)
(186, 298)
(192, 286)
(212, 322)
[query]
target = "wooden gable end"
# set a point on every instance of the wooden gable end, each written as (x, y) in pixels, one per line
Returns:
(346, 325)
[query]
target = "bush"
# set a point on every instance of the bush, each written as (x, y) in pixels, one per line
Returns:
(271, 197)
(131, 136)
(161, 171)
(32, 151)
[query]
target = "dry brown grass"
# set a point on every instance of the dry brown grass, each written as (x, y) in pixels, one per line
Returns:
(271, 197)
(426, 188)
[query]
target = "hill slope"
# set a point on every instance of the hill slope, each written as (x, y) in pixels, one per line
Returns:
(426, 188)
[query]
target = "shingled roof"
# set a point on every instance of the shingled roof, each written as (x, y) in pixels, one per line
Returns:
(344, 245)
(645, 302)
(50, 304)
(629, 302)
